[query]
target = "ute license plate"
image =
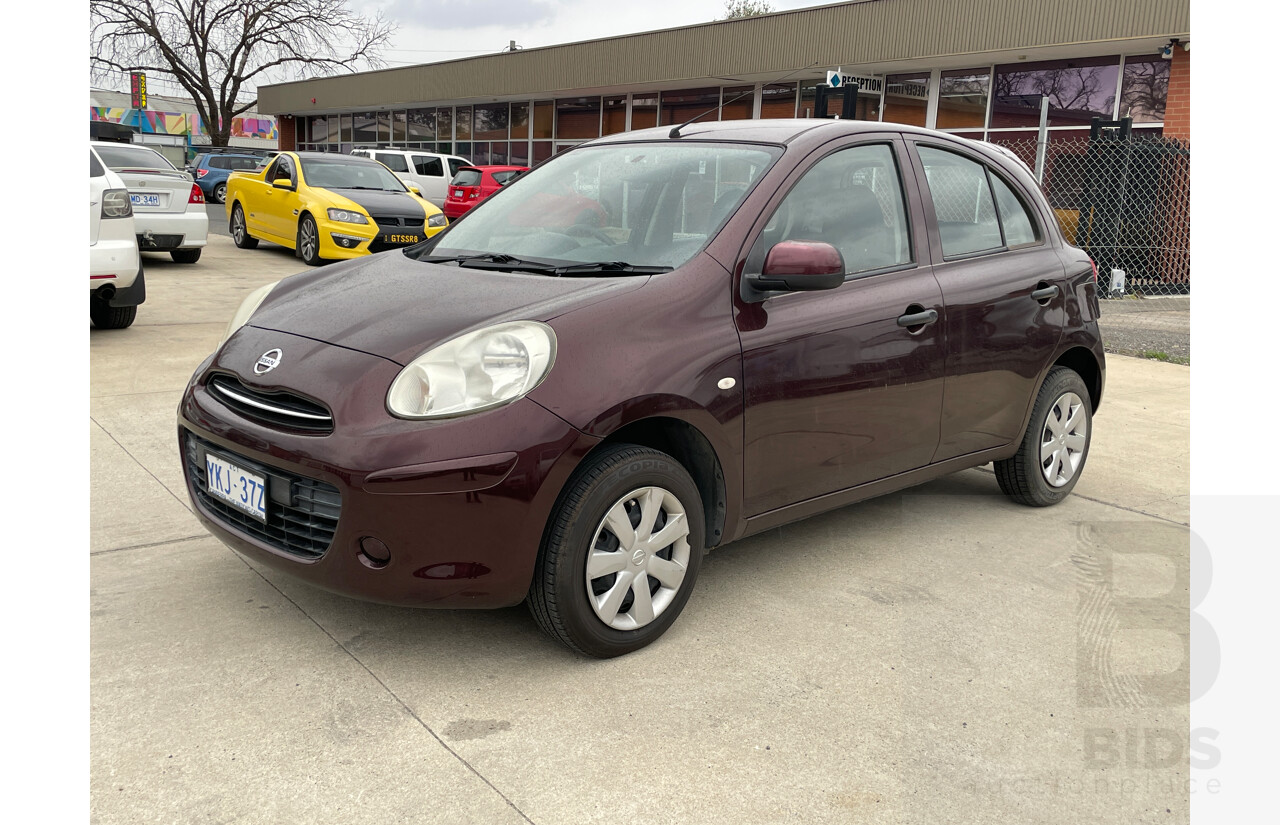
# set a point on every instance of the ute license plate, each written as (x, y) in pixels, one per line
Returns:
(241, 489)
(144, 200)
(403, 238)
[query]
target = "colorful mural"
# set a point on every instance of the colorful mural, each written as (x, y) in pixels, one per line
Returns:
(178, 123)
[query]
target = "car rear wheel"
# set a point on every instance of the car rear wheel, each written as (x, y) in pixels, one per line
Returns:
(239, 231)
(309, 241)
(621, 554)
(1052, 454)
(220, 193)
(109, 317)
(185, 256)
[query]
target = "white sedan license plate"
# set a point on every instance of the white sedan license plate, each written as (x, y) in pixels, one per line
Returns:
(239, 488)
(144, 200)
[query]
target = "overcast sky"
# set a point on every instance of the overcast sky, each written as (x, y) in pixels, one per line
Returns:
(435, 30)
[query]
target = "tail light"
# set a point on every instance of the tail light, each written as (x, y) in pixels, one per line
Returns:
(1095, 270)
(197, 196)
(116, 204)
(200, 173)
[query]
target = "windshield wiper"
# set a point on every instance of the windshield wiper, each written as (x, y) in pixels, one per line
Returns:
(611, 268)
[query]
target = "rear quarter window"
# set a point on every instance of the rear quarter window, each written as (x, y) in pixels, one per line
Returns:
(220, 163)
(95, 168)
(502, 178)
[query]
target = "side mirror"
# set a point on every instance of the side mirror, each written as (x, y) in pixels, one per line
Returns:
(800, 266)
(282, 183)
(415, 190)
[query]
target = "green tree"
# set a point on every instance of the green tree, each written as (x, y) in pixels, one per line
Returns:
(734, 9)
(219, 50)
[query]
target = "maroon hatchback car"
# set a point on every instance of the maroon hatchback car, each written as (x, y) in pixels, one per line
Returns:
(765, 320)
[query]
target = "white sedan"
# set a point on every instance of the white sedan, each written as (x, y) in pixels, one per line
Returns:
(116, 286)
(168, 207)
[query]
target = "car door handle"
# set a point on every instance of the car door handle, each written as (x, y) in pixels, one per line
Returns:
(918, 319)
(1045, 293)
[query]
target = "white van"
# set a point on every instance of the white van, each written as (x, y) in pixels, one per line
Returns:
(429, 171)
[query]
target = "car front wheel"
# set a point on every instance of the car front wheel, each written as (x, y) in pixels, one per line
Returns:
(309, 241)
(1052, 454)
(239, 231)
(621, 554)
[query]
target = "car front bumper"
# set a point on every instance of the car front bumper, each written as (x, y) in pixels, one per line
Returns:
(343, 241)
(459, 504)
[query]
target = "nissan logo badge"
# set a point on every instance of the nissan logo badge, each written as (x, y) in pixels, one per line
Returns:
(269, 361)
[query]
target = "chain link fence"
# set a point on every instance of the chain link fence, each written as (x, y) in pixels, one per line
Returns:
(1127, 202)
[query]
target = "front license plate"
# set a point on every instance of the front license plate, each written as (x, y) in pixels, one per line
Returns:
(241, 489)
(403, 238)
(144, 200)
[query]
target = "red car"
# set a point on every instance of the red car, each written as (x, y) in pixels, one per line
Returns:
(473, 184)
(759, 321)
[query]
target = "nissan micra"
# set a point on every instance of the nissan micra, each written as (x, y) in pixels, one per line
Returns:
(758, 321)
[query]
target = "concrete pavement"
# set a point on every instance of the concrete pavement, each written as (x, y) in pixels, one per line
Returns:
(938, 655)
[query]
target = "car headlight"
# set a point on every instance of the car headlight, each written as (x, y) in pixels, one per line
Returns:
(438, 219)
(477, 371)
(247, 307)
(347, 216)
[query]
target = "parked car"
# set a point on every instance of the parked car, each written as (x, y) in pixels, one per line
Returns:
(473, 184)
(429, 171)
(212, 170)
(116, 286)
(777, 318)
(327, 206)
(168, 208)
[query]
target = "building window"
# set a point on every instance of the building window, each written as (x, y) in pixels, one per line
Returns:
(962, 99)
(399, 132)
(519, 155)
(520, 121)
(318, 129)
(644, 110)
(365, 131)
(737, 102)
(1144, 88)
(615, 115)
(346, 129)
(422, 125)
(544, 120)
(492, 122)
(778, 100)
(906, 98)
(578, 118)
(686, 104)
(1078, 91)
(462, 123)
(444, 129)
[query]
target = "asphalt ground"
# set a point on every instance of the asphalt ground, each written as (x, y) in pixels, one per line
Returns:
(936, 655)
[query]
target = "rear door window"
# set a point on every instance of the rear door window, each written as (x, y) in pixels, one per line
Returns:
(962, 201)
(393, 161)
(428, 166)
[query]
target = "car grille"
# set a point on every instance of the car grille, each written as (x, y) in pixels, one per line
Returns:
(302, 513)
(279, 409)
(386, 222)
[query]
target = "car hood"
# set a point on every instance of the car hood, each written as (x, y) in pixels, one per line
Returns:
(397, 308)
(382, 203)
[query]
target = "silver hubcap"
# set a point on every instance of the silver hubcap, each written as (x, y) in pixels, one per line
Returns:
(638, 558)
(237, 225)
(1063, 439)
(308, 239)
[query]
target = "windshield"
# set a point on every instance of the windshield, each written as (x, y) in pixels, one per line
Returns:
(645, 205)
(345, 173)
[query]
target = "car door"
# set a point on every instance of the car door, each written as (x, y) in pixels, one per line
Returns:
(997, 272)
(279, 212)
(837, 391)
(429, 173)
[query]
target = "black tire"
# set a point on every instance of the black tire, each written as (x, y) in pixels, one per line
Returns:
(109, 317)
(1024, 477)
(240, 230)
(185, 256)
(308, 247)
(219, 193)
(558, 596)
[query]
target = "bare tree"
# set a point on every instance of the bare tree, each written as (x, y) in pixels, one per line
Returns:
(219, 50)
(734, 9)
